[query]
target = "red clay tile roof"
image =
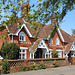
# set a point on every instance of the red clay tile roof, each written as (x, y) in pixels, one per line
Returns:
(34, 25)
(35, 45)
(67, 47)
(13, 27)
(45, 31)
(66, 36)
(73, 38)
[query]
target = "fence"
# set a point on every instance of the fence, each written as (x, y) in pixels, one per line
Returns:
(16, 65)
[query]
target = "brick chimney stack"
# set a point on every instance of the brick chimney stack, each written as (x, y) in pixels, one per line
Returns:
(54, 19)
(25, 8)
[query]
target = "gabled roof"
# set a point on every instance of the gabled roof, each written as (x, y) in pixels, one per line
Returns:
(45, 31)
(67, 47)
(73, 38)
(66, 36)
(13, 28)
(35, 45)
(39, 43)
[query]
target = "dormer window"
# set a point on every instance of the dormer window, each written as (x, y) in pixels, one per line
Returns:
(50, 40)
(57, 41)
(21, 36)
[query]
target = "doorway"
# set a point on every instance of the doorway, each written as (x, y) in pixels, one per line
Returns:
(38, 53)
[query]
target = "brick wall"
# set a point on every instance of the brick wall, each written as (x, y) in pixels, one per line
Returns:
(16, 65)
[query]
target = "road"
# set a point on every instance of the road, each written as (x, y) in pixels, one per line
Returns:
(66, 70)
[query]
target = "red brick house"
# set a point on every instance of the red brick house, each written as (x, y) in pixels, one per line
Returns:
(62, 42)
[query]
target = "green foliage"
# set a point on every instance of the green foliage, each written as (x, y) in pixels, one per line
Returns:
(5, 66)
(33, 66)
(73, 31)
(10, 51)
(27, 68)
(55, 54)
(55, 65)
(23, 68)
(42, 66)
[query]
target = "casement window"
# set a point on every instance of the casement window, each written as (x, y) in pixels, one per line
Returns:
(59, 53)
(21, 36)
(50, 40)
(57, 41)
(22, 54)
(48, 54)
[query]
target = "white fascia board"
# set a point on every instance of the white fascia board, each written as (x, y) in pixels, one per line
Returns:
(23, 25)
(60, 35)
(59, 50)
(44, 44)
(23, 48)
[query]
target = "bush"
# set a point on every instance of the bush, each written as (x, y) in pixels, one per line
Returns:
(55, 54)
(36, 68)
(23, 68)
(55, 65)
(27, 68)
(10, 51)
(42, 66)
(5, 65)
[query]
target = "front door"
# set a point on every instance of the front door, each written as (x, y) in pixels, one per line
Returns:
(38, 53)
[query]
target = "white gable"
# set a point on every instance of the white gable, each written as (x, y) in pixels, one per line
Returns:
(73, 47)
(42, 45)
(23, 25)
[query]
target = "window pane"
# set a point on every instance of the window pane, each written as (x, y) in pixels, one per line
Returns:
(57, 41)
(50, 41)
(22, 54)
(21, 36)
(23, 50)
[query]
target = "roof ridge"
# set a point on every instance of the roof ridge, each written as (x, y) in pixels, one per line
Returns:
(65, 31)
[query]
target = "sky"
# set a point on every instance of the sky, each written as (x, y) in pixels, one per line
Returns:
(67, 24)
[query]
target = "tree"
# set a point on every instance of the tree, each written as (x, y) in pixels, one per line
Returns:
(45, 8)
(55, 54)
(43, 12)
(73, 31)
(10, 51)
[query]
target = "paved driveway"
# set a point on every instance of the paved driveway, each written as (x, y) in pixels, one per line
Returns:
(67, 70)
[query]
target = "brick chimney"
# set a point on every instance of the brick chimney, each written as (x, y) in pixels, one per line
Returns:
(25, 8)
(54, 19)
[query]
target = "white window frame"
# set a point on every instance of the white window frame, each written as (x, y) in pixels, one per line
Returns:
(61, 53)
(21, 36)
(49, 54)
(21, 49)
(57, 41)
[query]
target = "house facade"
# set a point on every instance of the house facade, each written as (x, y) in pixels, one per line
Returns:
(44, 45)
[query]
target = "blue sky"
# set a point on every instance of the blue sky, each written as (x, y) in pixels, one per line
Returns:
(68, 22)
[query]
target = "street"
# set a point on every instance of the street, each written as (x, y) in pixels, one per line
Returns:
(66, 70)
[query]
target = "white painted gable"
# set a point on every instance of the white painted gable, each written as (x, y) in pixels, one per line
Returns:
(73, 47)
(42, 45)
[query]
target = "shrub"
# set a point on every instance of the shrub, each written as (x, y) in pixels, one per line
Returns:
(55, 65)
(23, 68)
(27, 68)
(55, 54)
(10, 51)
(33, 67)
(36, 68)
(42, 66)
(5, 68)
